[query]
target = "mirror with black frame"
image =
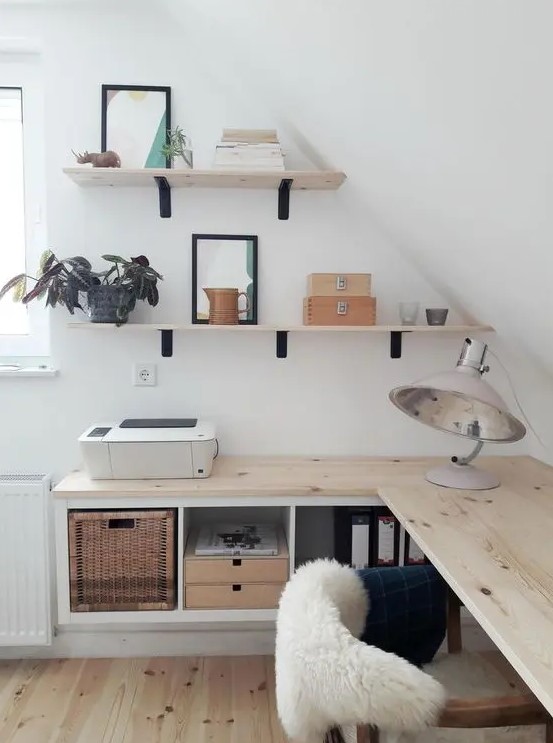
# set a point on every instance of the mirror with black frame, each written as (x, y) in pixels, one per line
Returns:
(224, 262)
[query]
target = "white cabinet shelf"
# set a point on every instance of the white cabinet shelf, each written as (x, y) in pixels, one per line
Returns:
(166, 178)
(240, 485)
(281, 331)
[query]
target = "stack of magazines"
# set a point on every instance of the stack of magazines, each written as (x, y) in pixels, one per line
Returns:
(251, 540)
(249, 149)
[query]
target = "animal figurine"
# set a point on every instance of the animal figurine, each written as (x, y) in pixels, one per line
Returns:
(109, 159)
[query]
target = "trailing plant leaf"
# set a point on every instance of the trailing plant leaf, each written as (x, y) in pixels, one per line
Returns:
(13, 282)
(142, 291)
(20, 289)
(72, 291)
(115, 259)
(81, 278)
(141, 260)
(77, 261)
(154, 274)
(53, 271)
(42, 292)
(46, 260)
(51, 298)
(35, 293)
(153, 295)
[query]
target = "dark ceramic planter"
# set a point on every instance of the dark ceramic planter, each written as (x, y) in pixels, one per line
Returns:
(108, 304)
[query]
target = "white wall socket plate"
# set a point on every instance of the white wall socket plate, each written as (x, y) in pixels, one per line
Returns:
(144, 375)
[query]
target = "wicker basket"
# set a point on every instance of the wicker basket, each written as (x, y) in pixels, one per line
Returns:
(122, 560)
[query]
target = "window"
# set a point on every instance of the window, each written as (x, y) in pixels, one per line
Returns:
(13, 317)
(23, 330)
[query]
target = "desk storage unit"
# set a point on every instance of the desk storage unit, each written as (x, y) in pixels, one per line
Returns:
(297, 494)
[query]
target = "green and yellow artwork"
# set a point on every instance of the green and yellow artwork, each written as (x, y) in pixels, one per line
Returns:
(135, 121)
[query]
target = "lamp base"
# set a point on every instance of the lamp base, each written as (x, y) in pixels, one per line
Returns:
(462, 477)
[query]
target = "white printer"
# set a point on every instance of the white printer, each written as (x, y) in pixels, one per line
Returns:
(149, 448)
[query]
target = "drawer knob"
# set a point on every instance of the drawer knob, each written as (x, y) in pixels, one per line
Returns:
(236, 587)
(237, 563)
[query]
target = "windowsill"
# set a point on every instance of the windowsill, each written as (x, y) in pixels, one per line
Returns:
(17, 371)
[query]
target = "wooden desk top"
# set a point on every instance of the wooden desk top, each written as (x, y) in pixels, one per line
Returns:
(261, 476)
(495, 549)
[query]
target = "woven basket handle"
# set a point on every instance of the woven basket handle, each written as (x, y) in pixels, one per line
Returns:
(121, 523)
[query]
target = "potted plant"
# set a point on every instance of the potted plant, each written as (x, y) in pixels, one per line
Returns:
(178, 145)
(108, 296)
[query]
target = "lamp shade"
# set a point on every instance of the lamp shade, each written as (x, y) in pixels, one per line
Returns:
(459, 401)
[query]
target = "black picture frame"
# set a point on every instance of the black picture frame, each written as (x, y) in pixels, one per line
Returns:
(146, 88)
(252, 317)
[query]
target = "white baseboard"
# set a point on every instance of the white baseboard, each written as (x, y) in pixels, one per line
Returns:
(133, 642)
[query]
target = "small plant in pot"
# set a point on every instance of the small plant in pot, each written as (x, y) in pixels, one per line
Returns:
(178, 145)
(107, 296)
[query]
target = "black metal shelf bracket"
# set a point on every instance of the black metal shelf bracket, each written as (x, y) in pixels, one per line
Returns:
(281, 344)
(284, 198)
(395, 344)
(164, 196)
(167, 343)
(396, 337)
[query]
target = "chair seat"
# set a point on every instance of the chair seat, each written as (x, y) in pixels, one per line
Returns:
(468, 674)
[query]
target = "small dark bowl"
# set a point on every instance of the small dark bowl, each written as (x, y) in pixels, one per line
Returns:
(436, 316)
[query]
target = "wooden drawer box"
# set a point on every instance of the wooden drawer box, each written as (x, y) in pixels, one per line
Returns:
(217, 570)
(336, 311)
(339, 284)
(233, 596)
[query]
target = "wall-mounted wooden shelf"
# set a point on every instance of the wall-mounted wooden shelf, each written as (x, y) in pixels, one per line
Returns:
(281, 331)
(165, 179)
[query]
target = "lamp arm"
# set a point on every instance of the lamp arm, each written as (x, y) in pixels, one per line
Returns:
(474, 453)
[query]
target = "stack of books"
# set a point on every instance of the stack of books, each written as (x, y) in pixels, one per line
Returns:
(249, 149)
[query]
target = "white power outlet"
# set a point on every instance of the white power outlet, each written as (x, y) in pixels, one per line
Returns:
(144, 375)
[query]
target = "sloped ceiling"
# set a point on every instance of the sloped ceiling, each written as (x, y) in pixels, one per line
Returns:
(441, 114)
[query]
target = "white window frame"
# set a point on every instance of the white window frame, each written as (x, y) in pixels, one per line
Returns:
(25, 71)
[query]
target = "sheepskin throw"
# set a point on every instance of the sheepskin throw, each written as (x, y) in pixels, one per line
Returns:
(327, 677)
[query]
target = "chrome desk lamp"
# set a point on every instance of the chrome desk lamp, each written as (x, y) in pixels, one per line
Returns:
(459, 401)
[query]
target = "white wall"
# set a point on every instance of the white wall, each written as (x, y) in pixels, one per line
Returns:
(440, 114)
(333, 78)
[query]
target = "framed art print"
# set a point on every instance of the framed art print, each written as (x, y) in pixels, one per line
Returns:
(135, 120)
(224, 261)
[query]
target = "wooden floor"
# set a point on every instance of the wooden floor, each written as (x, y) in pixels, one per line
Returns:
(161, 700)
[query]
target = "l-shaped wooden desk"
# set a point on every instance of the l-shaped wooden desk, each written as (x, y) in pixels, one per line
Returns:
(493, 547)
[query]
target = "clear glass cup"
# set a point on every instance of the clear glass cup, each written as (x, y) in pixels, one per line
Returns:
(408, 312)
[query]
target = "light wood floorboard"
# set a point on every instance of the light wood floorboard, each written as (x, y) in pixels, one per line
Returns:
(159, 700)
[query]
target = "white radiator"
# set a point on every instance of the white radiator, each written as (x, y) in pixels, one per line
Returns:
(24, 560)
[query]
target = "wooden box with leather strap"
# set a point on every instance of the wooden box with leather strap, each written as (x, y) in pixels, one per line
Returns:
(339, 285)
(339, 311)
